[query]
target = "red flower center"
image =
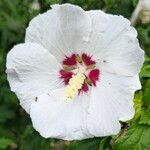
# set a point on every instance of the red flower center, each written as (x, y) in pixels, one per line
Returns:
(72, 63)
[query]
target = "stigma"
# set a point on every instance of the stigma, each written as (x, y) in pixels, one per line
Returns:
(75, 84)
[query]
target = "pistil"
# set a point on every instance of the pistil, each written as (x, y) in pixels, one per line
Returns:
(74, 85)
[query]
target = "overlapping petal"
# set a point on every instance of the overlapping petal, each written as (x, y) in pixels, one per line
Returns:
(54, 116)
(60, 29)
(111, 101)
(114, 45)
(31, 71)
(86, 116)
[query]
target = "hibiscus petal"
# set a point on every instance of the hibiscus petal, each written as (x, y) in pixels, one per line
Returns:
(30, 72)
(60, 29)
(111, 101)
(53, 116)
(114, 44)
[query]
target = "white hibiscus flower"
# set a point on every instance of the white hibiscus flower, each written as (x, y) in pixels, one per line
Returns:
(77, 72)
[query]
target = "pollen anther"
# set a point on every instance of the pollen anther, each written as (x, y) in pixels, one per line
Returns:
(75, 84)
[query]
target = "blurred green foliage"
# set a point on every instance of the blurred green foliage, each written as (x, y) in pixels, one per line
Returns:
(16, 131)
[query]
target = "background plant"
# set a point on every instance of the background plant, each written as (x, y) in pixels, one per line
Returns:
(16, 131)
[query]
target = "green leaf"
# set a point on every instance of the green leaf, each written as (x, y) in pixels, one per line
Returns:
(134, 2)
(6, 113)
(136, 138)
(28, 131)
(145, 117)
(89, 144)
(104, 143)
(146, 95)
(144, 31)
(5, 142)
(36, 141)
(145, 72)
(137, 105)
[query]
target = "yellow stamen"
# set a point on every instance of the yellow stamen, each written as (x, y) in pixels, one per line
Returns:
(75, 83)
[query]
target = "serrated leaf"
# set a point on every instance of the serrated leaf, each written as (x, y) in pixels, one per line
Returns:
(145, 117)
(136, 138)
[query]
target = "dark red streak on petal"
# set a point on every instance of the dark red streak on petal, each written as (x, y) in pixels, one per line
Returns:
(94, 76)
(66, 76)
(87, 59)
(70, 61)
(84, 88)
